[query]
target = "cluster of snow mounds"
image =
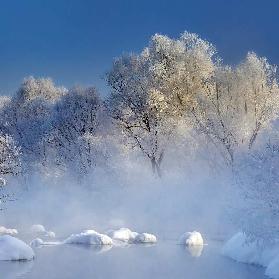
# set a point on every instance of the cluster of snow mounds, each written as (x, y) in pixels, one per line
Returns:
(89, 237)
(241, 249)
(126, 235)
(40, 230)
(191, 239)
(13, 249)
(4, 230)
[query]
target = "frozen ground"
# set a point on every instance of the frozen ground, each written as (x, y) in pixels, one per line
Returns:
(165, 259)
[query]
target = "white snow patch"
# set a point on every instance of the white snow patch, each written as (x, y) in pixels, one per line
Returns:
(145, 238)
(122, 234)
(4, 230)
(89, 237)
(13, 249)
(191, 239)
(127, 236)
(241, 249)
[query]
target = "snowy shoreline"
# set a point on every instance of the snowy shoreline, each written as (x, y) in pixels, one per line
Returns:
(241, 249)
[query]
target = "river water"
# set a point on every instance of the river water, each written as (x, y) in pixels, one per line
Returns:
(166, 259)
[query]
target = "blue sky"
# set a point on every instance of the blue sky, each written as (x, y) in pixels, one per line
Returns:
(74, 41)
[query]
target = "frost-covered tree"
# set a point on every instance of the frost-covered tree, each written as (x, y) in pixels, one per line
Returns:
(26, 117)
(134, 104)
(228, 105)
(237, 103)
(75, 138)
(10, 163)
(258, 181)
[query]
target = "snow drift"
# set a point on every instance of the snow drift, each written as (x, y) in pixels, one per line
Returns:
(13, 249)
(89, 237)
(191, 239)
(241, 249)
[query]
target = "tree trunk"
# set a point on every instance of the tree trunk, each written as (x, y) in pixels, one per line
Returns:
(156, 167)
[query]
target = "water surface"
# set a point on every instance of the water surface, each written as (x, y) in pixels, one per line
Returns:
(163, 260)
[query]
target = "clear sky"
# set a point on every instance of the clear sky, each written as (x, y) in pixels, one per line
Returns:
(74, 41)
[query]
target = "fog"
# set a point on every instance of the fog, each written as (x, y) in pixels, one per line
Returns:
(166, 206)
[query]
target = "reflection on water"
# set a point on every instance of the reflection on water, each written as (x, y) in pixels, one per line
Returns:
(15, 269)
(98, 249)
(164, 260)
(195, 251)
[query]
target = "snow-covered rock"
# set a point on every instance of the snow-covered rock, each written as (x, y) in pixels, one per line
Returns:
(4, 230)
(191, 239)
(122, 234)
(38, 228)
(13, 249)
(89, 237)
(50, 234)
(145, 238)
(37, 242)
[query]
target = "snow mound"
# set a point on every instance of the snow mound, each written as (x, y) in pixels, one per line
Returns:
(122, 234)
(241, 249)
(13, 249)
(41, 231)
(50, 234)
(128, 236)
(145, 238)
(4, 230)
(191, 239)
(38, 228)
(37, 242)
(89, 237)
